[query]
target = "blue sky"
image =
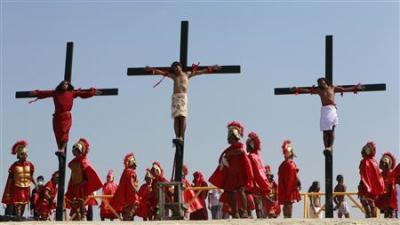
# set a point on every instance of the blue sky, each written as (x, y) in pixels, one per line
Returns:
(276, 44)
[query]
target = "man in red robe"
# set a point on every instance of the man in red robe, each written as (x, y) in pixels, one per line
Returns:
(45, 203)
(158, 174)
(288, 180)
(63, 97)
(387, 202)
(83, 181)
(126, 199)
(271, 203)
(190, 199)
(261, 186)
(371, 184)
(199, 181)
(146, 198)
(19, 181)
(234, 173)
(109, 188)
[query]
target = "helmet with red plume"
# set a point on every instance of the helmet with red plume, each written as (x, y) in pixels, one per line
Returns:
(19, 147)
(254, 141)
(235, 129)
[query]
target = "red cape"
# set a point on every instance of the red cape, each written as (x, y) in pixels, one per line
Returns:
(372, 183)
(92, 184)
(146, 197)
(42, 206)
(126, 193)
(262, 185)
(396, 174)
(288, 191)
(272, 207)
(109, 188)
(389, 199)
(189, 197)
(238, 174)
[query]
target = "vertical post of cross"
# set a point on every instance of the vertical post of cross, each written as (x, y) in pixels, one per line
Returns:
(184, 44)
(62, 159)
(328, 155)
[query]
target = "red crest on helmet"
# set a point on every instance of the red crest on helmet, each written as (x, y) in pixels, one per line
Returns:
(17, 146)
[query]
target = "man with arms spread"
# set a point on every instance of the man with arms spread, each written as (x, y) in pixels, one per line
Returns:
(179, 96)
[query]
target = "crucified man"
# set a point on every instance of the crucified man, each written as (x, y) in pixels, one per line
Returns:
(179, 96)
(329, 117)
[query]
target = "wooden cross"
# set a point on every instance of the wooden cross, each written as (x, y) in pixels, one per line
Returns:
(141, 71)
(61, 159)
(329, 78)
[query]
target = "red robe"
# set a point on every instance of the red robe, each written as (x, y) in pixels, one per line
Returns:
(396, 174)
(189, 197)
(18, 195)
(389, 199)
(44, 206)
(63, 102)
(168, 195)
(371, 184)
(288, 191)
(201, 213)
(261, 183)
(145, 203)
(91, 180)
(239, 172)
(109, 188)
(271, 204)
(126, 194)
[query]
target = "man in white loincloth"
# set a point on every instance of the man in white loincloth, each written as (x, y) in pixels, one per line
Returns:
(329, 118)
(341, 204)
(179, 96)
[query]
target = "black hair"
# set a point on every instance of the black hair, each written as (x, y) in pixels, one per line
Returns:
(324, 79)
(339, 177)
(40, 177)
(59, 86)
(314, 186)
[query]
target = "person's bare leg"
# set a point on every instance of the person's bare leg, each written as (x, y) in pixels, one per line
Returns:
(324, 138)
(183, 127)
(244, 202)
(233, 204)
(366, 208)
(373, 209)
(176, 126)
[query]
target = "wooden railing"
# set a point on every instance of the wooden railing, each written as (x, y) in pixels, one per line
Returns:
(305, 197)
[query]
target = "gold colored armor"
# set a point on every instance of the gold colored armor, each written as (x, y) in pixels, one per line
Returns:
(76, 173)
(22, 176)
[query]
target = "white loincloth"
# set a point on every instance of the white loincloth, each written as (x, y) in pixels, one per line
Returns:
(179, 105)
(329, 117)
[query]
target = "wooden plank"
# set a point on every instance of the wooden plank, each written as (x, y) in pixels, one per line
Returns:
(329, 58)
(140, 71)
(367, 87)
(104, 92)
(183, 56)
(68, 61)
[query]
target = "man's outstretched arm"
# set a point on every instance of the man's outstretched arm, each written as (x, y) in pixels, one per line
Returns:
(195, 71)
